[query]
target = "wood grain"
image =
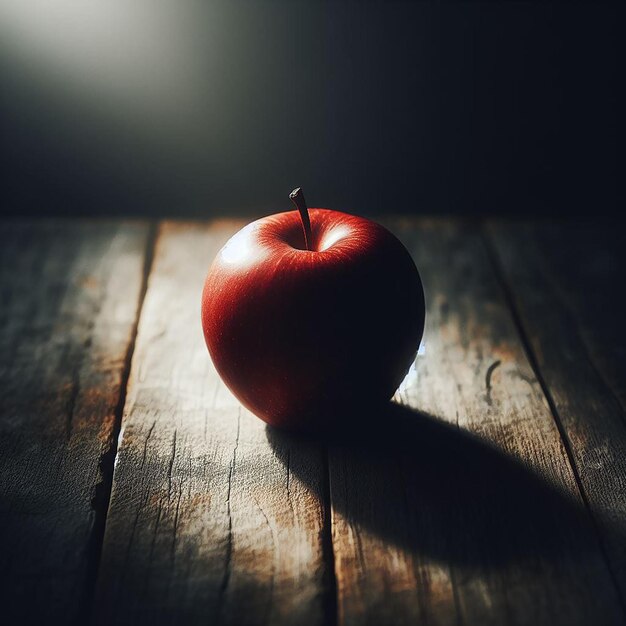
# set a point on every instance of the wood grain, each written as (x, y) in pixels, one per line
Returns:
(461, 506)
(566, 281)
(70, 293)
(213, 518)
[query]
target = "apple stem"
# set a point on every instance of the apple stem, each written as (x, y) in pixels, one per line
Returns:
(297, 197)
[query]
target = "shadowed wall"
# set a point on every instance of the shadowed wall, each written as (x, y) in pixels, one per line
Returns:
(195, 108)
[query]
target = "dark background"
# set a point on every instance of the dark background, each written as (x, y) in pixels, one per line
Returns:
(188, 108)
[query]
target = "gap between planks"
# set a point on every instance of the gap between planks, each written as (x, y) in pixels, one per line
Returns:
(500, 275)
(102, 497)
(331, 605)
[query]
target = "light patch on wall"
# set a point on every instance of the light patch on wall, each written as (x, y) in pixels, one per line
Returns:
(134, 58)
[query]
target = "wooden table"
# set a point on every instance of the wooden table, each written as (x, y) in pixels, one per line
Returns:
(135, 489)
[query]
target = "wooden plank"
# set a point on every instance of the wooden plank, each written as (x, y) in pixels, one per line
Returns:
(566, 281)
(70, 293)
(213, 517)
(461, 506)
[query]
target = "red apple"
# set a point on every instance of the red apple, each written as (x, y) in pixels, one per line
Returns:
(306, 321)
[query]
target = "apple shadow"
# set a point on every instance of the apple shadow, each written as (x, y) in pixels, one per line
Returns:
(423, 485)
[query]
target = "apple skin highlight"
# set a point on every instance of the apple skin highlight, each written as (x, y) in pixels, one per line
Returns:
(303, 338)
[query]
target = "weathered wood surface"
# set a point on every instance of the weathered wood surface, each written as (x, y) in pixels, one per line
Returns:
(69, 298)
(213, 519)
(465, 510)
(566, 282)
(467, 503)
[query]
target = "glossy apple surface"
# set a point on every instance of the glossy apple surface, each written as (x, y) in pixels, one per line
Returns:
(304, 337)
